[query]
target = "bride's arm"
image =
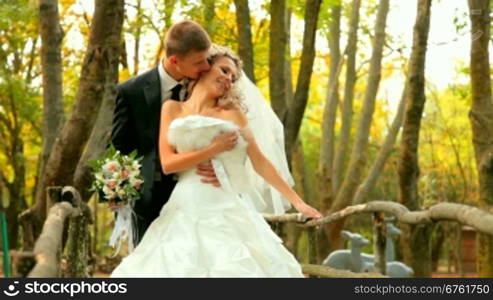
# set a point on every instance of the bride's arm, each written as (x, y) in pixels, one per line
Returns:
(172, 162)
(264, 167)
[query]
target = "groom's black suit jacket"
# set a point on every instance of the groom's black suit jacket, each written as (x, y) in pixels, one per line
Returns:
(136, 122)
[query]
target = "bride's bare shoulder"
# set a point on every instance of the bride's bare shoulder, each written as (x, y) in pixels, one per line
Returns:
(171, 107)
(170, 110)
(171, 104)
(237, 115)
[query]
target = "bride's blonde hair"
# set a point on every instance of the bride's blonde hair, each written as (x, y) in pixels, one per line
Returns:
(233, 97)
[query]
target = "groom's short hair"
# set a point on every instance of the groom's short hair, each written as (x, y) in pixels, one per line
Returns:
(185, 37)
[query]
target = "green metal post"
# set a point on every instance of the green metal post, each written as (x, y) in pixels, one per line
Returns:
(5, 245)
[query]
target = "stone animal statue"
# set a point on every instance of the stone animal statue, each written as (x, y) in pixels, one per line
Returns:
(348, 259)
(352, 259)
(398, 269)
(394, 269)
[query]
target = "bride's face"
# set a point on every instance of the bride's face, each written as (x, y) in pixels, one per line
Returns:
(222, 75)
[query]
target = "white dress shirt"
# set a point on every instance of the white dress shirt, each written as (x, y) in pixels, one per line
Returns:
(168, 82)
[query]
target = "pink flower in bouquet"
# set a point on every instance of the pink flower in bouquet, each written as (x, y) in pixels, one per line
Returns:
(136, 183)
(110, 194)
(111, 184)
(125, 173)
(111, 166)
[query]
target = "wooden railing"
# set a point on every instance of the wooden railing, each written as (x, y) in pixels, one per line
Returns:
(65, 228)
(479, 219)
(69, 217)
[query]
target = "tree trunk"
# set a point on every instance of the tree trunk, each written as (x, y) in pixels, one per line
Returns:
(15, 188)
(379, 242)
(51, 66)
(288, 74)
(104, 42)
(416, 239)
(138, 33)
(209, 13)
(330, 113)
(293, 231)
(32, 57)
(297, 111)
(77, 250)
(358, 159)
(17, 201)
(324, 178)
(347, 104)
(169, 7)
(100, 136)
(277, 52)
(245, 45)
(437, 246)
(300, 175)
(11, 127)
(383, 153)
(481, 118)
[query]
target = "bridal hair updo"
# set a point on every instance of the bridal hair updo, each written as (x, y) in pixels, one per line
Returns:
(233, 97)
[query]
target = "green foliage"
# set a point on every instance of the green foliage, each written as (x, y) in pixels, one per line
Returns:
(447, 159)
(20, 101)
(460, 21)
(297, 7)
(325, 16)
(446, 156)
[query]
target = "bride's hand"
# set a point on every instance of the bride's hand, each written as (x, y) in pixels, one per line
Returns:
(225, 141)
(307, 210)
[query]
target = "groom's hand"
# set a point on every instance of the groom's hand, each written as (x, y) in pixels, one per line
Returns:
(208, 175)
(114, 207)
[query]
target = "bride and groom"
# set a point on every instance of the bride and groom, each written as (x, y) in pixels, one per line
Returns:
(203, 157)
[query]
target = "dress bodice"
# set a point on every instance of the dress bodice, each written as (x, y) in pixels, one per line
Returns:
(195, 132)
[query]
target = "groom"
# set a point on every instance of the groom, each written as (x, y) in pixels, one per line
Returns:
(136, 117)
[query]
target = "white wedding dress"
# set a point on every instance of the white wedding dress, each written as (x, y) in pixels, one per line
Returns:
(205, 231)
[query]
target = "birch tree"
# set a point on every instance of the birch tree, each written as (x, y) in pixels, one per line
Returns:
(330, 112)
(342, 146)
(297, 110)
(415, 239)
(358, 159)
(326, 160)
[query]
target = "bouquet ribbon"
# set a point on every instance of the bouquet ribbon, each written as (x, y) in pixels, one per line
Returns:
(123, 229)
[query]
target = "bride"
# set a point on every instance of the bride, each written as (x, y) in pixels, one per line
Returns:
(207, 231)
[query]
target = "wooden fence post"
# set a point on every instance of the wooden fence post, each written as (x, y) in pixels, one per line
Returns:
(380, 239)
(77, 245)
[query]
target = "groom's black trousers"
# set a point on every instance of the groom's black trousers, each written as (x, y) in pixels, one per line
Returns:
(148, 211)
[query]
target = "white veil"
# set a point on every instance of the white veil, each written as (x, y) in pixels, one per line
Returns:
(269, 135)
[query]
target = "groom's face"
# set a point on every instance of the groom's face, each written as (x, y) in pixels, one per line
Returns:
(193, 64)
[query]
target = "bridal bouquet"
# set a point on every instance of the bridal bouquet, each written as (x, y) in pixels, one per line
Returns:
(118, 182)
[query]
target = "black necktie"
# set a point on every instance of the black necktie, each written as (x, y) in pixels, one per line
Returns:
(175, 92)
